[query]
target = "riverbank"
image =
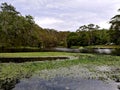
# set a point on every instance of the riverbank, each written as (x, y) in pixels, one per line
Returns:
(102, 67)
(90, 66)
(35, 54)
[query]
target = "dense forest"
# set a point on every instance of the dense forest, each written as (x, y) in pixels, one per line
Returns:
(22, 31)
(17, 30)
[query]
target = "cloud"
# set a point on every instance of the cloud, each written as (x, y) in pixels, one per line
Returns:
(68, 14)
(47, 22)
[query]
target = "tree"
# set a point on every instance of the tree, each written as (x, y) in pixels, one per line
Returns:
(8, 16)
(72, 39)
(9, 8)
(101, 37)
(91, 35)
(90, 28)
(83, 38)
(82, 28)
(16, 29)
(115, 29)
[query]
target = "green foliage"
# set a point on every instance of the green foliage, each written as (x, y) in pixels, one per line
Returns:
(17, 30)
(115, 29)
(72, 39)
(88, 35)
(84, 38)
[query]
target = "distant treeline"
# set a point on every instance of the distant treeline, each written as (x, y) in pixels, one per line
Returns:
(92, 34)
(17, 30)
(88, 35)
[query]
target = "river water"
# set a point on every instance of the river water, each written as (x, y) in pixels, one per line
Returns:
(109, 51)
(62, 83)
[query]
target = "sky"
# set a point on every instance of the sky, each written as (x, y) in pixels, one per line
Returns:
(68, 15)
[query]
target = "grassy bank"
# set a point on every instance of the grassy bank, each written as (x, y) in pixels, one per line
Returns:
(35, 54)
(11, 71)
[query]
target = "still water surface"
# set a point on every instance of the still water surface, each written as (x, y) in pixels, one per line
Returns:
(60, 83)
(109, 51)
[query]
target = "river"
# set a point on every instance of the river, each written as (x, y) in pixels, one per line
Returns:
(60, 83)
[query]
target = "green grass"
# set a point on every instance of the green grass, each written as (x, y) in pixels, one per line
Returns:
(104, 46)
(35, 54)
(10, 71)
(99, 59)
(30, 67)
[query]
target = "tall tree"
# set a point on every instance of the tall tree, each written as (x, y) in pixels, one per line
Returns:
(72, 39)
(115, 29)
(82, 28)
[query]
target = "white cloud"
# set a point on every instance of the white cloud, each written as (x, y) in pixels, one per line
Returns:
(68, 14)
(48, 22)
(104, 24)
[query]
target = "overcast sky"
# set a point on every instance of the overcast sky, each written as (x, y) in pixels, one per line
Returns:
(64, 15)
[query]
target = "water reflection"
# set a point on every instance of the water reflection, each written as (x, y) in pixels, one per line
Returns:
(110, 51)
(116, 52)
(60, 83)
(67, 50)
(104, 51)
(101, 51)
